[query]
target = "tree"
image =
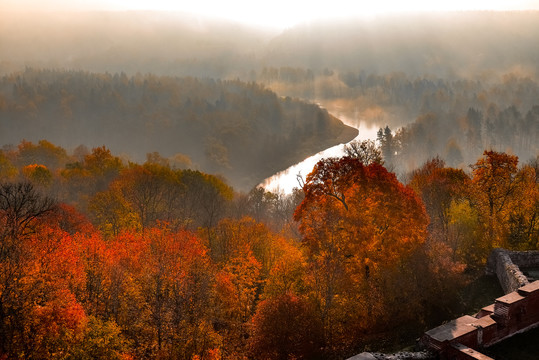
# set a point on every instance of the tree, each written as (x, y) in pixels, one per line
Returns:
(102, 166)
(438, 187)
(231, 237)
(39, 311)
(101, 340)
(38, 174)
(7, 170)
(288, 273)
(21, 206)
(152, 191)
(524, 214)
(237, 287)
(45, 153)
(82, 180)
(286, 327)
(387, 144)
(204, 199)
(111, 212)
(157, 286)
(357, 222)
(57, 327)
(472, 123)
(495, 183)
(366, 151)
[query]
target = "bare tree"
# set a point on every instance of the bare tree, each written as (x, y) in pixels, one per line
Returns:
(366, 151)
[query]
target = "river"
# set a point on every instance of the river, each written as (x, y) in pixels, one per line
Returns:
(286, 180)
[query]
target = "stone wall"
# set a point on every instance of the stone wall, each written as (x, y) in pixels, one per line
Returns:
(525, 259)
(505, 264)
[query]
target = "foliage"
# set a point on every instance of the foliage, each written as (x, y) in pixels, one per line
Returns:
(286, 327)
(359, 225)
(150, 261)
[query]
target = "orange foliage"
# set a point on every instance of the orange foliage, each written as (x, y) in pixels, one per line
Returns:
(137, 285)
(360, 211)
(358, 224)
(285, 327)
(57, 326)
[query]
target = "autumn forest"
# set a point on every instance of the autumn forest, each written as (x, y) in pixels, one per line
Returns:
(133, 226)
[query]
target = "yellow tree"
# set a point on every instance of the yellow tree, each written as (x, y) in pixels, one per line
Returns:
(111, 212)
(7, 170)
(524, 215)
(231, 236)
(82, 180)
(151, 190)
(444, 192)
(495, 185)
(38, 174)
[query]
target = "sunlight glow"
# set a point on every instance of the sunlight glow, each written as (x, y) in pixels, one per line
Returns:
(274, 13)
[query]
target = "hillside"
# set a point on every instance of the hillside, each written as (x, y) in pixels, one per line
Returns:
(242, 131)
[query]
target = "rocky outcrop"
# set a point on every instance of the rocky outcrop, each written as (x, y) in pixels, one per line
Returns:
(505, 264)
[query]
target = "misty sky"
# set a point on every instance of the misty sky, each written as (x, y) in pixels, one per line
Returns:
(273, 13)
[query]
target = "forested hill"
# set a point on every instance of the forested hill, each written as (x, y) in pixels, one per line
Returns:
(240, 130)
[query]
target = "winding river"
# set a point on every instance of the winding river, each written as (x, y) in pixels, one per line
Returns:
(286, 180)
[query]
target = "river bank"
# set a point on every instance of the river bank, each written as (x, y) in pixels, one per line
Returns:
(285, 181)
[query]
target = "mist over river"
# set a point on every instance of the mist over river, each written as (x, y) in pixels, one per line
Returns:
(285, 181)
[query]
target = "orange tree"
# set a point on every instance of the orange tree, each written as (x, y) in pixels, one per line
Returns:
(359, 226)
(506, 199)
(40, 273)
(495, 185)
(445, 193)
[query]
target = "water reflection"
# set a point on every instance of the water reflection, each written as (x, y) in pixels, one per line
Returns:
(285, 181)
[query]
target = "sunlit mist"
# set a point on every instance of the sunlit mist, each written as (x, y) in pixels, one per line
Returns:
(278, 13)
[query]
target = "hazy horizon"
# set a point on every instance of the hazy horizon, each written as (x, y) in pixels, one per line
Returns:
(277, 15)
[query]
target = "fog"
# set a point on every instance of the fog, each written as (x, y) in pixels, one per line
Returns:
(131, 42)
(458, 44)
(423, 70)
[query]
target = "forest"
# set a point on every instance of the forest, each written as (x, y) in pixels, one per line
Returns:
(205, 124)
(132, 144)
(424, 116)
(106, 259)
